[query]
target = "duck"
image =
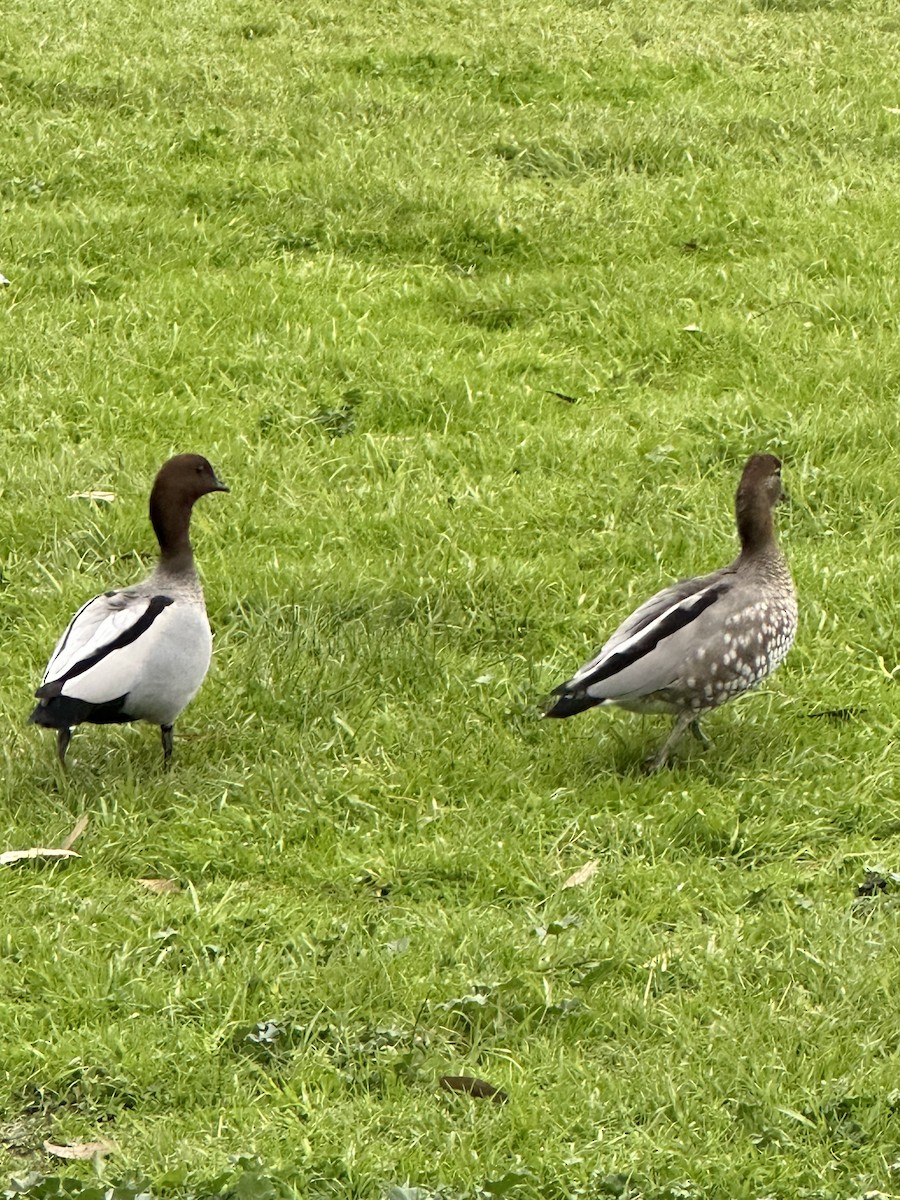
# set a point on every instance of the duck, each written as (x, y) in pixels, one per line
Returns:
(703, 641)
(142, 652)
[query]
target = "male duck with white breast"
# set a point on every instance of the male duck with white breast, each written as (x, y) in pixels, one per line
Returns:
(702, 641)
(139, 654)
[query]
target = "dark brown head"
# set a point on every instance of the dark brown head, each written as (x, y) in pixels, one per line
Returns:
(178, 485)
(758, 492)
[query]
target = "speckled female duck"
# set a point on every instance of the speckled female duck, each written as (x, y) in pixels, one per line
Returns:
(702, 641)
(139, 654)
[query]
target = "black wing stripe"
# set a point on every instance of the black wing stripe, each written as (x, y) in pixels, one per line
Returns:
(126, 637)
(644, 643)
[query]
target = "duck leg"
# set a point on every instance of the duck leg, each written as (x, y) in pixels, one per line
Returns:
(699, 734)
(682, 723)
(167, 739)
(63, 737)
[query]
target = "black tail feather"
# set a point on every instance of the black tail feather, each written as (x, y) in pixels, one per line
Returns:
(62, 712)
(569, 703)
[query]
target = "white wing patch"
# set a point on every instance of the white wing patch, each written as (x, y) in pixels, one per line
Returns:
(96, 624)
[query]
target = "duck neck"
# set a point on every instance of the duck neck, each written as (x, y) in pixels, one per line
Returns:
(756, 526)
(171, 523)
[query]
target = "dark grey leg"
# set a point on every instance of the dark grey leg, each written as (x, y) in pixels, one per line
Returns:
(682, 721)
(63, 737)
(166, 731)
(699, 734)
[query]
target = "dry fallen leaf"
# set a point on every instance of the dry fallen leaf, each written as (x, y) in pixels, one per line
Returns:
(79, 1149)
(38, 854)
(80, 826)
(97, 497)
(583, 874)
(479, 1088)
(160, 886)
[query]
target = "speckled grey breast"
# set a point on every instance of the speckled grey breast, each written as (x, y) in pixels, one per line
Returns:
(734, 656)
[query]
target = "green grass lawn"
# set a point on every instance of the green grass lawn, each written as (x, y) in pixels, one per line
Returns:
(350, 252)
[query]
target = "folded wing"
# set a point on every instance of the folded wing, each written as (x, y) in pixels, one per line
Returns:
(97, 656)
(647, 651)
